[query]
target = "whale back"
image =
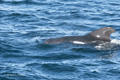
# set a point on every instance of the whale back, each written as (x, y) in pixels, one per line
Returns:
(102, 33)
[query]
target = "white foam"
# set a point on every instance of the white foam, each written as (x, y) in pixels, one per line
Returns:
(104, 46)
(107, 46)
(115, 41)
(32, 40)
(37, 38)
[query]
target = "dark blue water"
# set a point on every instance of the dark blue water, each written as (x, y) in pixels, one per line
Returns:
(26, 24)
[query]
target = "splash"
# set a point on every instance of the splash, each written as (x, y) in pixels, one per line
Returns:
(115, 41)
(108, 45)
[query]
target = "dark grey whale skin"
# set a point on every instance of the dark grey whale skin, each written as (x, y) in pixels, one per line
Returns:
(102, 34)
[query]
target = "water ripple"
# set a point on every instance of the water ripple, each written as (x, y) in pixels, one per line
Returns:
(26, 24)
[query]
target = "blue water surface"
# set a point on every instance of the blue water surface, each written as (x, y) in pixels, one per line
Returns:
(26, 24)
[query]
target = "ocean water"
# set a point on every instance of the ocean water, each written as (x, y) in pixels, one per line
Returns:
(26, 24)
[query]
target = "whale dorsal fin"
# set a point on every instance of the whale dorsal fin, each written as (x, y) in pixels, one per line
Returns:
(102, 33)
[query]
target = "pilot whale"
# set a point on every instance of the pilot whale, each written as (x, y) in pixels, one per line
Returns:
(100, 35)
